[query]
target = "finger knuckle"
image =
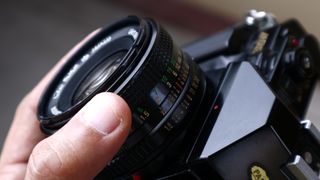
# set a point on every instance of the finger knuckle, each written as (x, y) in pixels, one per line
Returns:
(45, 162)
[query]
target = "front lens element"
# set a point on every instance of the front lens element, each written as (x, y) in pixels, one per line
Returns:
(98, 76)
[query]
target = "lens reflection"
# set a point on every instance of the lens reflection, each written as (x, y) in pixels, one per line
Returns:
(98, 76)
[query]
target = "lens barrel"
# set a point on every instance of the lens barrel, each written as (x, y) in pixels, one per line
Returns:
(137, 59)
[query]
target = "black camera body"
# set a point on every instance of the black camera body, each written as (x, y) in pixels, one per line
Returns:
(241, 115)
(255, 128)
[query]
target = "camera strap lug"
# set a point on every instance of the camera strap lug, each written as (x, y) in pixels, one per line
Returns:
(307, 125)
(299, 169)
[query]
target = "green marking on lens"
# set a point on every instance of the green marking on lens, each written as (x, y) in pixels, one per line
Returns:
(140, 110)
(173, 61)
(164, 79)
(169, 69)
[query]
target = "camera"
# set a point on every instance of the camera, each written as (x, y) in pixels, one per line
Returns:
(229, 106)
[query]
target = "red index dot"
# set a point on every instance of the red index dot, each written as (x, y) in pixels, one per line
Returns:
(136, 177)
(294, 42)
(215, 107)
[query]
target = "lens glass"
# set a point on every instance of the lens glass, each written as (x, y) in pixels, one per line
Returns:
(98, 76)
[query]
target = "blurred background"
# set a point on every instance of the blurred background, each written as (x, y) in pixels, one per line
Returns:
(35, 34)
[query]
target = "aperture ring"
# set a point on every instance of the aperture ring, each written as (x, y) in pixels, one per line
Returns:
(163, 134)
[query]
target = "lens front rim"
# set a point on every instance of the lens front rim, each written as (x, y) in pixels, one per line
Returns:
(50, 123)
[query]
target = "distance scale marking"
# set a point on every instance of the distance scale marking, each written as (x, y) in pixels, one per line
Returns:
(165, 93)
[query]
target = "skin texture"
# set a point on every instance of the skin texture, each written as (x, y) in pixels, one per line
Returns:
(79, 150)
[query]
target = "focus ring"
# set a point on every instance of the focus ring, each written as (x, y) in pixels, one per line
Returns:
(137, 91)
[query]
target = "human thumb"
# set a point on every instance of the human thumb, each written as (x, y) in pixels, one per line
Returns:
(84, 146)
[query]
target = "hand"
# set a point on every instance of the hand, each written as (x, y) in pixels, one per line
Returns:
(79, 150)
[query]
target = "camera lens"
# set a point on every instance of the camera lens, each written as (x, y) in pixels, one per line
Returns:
(137, 59)
(98, 76)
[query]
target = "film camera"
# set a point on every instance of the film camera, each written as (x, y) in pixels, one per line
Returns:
(229, 106)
